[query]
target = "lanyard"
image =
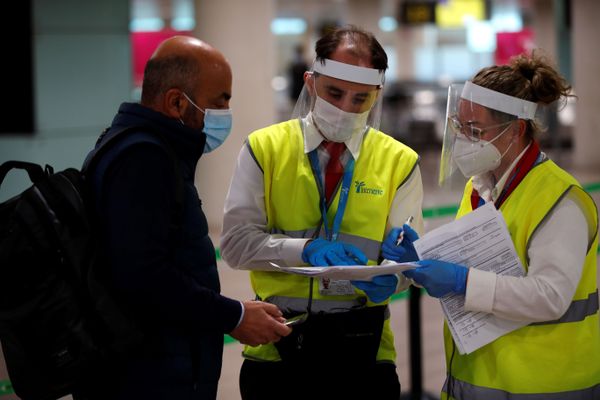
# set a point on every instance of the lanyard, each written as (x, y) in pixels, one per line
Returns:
(346, 180)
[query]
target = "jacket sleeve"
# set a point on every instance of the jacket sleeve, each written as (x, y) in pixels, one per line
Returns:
(136, 203)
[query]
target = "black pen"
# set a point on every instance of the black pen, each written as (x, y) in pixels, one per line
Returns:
(401, 235)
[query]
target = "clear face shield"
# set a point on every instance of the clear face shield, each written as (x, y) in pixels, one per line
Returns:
(340, 99)
(472, 113)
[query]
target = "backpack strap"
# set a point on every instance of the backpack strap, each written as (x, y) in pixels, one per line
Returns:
(35, 172)
(102, 146)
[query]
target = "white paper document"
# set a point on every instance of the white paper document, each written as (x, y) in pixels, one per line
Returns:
(348, 272)
(479, 240)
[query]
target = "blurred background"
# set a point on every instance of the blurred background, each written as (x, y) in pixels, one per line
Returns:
(68, 64)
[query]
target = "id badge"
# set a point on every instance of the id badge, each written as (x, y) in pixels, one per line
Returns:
(330, 287)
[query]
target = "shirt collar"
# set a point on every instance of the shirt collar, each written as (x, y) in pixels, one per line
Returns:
(312, 138)
(484, 183)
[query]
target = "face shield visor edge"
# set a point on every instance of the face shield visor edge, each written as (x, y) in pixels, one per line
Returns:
(340, 99)
(471, 111)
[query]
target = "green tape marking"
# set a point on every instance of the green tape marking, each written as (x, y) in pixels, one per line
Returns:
(400, 296)
(229, 340)
(443, 211)
(592, 187)
(6, 388)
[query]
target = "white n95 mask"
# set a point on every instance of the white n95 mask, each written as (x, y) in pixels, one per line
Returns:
(476, 158)
(335, 124)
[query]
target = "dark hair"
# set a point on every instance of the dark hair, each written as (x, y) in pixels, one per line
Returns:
(528, 77)
(162, 74)
(367, 45)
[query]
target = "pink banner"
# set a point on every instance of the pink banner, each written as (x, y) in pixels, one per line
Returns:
(509, 44)
(143, 45)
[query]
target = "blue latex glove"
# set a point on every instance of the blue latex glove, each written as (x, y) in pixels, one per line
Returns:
(323, 252)
(439, 277)
(380, 288)
(405, 252)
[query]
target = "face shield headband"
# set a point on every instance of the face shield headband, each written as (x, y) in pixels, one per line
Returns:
(348, 72)
(520, 108)
(467, 103)
(345, 75)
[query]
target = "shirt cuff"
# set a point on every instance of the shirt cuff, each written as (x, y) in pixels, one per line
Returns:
(481, 288)
(291, 252)
(241, 315)
(403, 283)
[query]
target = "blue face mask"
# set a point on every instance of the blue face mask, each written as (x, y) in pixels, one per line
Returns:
(217, 125)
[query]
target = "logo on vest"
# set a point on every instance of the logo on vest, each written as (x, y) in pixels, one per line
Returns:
(361, 188)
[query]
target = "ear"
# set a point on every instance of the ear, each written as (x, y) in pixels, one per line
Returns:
(520, 130)
(174, 103)
(309, 81)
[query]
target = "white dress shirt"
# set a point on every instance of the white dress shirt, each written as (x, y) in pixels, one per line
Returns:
(245, 243)
(556, 255)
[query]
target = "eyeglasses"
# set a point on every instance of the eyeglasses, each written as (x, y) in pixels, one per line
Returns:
(472, 133)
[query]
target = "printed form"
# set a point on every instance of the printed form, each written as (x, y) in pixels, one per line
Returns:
(479, 240)
(348, 272)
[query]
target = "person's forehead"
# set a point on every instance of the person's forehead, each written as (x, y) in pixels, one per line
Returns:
(470, 111)
(215, 80)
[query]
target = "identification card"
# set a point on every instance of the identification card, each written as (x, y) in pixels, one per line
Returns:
(330, 287)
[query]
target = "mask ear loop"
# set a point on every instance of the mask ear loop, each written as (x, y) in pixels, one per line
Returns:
(501, 133)
(194, 104)
(507, 149)
(490, 143)
(513, 141)
(313, 107)
(315, 94)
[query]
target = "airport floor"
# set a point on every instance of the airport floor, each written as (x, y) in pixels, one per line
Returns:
(438, 206)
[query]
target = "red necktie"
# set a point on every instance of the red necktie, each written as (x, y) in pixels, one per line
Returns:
(334, 169)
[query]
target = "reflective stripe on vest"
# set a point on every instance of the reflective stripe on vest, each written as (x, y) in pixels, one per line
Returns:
(292, 208)
(557, 359)
(294, 304)
(370, 247)
(577, 311)
(298, 304)
(465, 391)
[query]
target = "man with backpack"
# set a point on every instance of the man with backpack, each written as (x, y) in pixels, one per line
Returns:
(161, 263)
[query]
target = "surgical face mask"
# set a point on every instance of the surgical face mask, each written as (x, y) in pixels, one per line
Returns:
(476, 158)
(217, 125)
(335, 124)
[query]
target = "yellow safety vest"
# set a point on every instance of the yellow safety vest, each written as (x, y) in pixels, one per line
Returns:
(292, 207)
(553, 359)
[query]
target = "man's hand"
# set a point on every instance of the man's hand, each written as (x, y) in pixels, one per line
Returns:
(262, 324)
(405, 251)
(322, 252)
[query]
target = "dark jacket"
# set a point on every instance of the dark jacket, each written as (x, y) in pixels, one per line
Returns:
(162, 262)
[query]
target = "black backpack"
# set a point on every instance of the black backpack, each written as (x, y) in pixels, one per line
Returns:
(59, 324)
